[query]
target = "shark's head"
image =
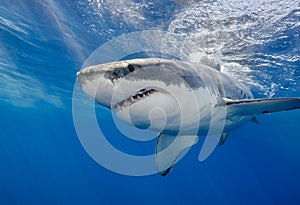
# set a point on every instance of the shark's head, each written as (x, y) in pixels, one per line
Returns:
(137, 88)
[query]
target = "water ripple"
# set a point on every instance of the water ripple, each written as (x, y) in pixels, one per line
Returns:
(261, 35)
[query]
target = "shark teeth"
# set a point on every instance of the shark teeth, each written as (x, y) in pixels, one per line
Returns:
(143, 93)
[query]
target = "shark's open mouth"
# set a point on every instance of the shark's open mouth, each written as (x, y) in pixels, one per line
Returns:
(143, 93)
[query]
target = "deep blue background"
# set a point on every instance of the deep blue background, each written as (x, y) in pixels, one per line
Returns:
(43, 162)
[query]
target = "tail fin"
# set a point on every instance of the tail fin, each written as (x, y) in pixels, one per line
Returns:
(262, 106)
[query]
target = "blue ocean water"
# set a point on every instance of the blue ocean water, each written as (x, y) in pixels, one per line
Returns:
(44, 43)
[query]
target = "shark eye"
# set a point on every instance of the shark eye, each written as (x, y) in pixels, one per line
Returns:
(130, 68)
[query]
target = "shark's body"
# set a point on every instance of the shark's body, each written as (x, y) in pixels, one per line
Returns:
(178, 99)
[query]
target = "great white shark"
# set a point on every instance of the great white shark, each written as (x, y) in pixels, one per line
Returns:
(190, 100)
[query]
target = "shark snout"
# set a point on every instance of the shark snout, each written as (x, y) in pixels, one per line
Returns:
(81, 78)
(96, 86)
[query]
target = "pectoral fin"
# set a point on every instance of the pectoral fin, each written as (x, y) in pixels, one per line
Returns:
(261, 106)
(254, 119)
(169, 147)
(223, 139)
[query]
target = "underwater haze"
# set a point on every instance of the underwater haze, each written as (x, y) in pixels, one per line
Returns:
(44, 43)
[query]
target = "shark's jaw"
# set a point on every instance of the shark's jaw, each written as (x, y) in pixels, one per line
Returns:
(142, 94)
